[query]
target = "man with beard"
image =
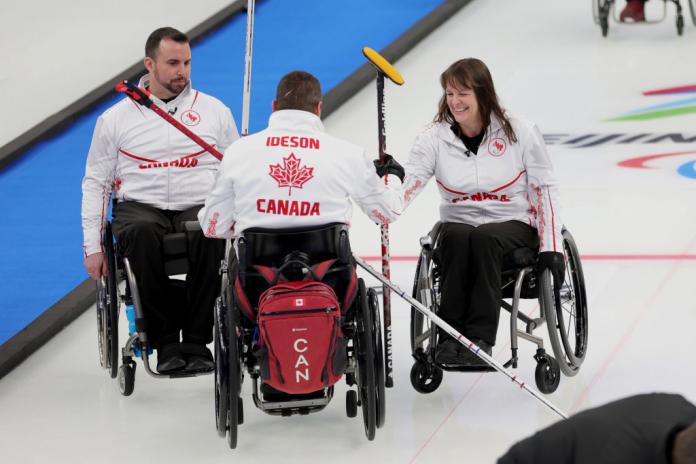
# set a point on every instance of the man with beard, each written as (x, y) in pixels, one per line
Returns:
(160, 179)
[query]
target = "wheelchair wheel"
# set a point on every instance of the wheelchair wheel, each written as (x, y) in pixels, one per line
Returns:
(365, 353)
(221, 369)
(240, 411)
(126, 378)
(692, 10)
(351, 403)
(680, 24)
(379, 357)
(425, 377)
(547, 374)
(595, 11)
(600, 12)
(234, 371)
(425, 291)
(107, 310)
(604, 24)
(565, 310)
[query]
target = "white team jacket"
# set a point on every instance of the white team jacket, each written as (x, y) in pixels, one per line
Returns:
(143, 158)
(503, 182)
(293, 174)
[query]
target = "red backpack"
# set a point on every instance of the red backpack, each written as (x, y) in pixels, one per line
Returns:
(301, 344)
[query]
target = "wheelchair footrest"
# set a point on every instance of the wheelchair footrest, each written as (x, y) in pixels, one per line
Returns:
(463, 368)
(184, 373)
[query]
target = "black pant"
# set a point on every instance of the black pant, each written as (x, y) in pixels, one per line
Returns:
(471, 262)
(140, 229)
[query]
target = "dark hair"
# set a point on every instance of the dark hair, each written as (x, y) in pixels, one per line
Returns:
(471, 73)
(298, 90)
(158, 35)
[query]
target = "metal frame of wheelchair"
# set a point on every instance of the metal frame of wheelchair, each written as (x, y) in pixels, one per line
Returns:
(602, 10)
(563, 310)
(112, 296)
(233, 354)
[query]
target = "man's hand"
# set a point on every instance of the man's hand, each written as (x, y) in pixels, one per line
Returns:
(96, 266)
(555, 262)
(389, 166)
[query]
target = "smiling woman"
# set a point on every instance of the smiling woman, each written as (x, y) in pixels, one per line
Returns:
(498, 193)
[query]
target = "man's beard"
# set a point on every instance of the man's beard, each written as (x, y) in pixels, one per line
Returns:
(176, 86)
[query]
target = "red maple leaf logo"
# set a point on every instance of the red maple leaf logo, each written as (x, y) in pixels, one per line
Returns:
(291, 174)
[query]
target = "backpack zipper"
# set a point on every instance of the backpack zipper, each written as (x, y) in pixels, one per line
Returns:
(302, 311)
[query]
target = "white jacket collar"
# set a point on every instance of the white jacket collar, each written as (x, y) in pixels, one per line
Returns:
(145, 83)
(295, 120)
(445, 132)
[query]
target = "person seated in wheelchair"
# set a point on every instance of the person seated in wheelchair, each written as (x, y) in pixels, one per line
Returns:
(498, 193)
(136, 153)
(294, 175)
(634, 11)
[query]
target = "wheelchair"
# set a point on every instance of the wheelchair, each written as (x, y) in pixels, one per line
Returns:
(563, 309)
(292, 257)
(602, 10)
(118, 291)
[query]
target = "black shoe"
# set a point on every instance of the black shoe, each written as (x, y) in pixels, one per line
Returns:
(485, 346)
(170, 359)
(447, 351)
(199, 364)
(198, 357)
(469, 359)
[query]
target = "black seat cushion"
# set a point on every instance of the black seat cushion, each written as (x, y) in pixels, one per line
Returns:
(519, 258)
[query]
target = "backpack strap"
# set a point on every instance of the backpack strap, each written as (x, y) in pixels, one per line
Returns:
(319, 270)
(351, 290)
(270, 274)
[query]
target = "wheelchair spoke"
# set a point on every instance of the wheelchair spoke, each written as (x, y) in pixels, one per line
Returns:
(570, 326)
(569, 309)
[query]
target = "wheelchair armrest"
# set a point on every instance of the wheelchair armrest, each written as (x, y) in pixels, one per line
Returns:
(426, 242)
(344, 252)
(192, 226)
(241, 260)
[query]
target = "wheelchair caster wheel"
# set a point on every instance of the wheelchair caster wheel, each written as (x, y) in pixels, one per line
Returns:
(425, 378)
(126, 378)
(351, 403)
(547, 374)
(680, 25)
(240, 412)
(604, 24)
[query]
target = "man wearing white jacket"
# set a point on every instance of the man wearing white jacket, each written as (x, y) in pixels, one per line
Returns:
(293, 174)
(160, 178)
